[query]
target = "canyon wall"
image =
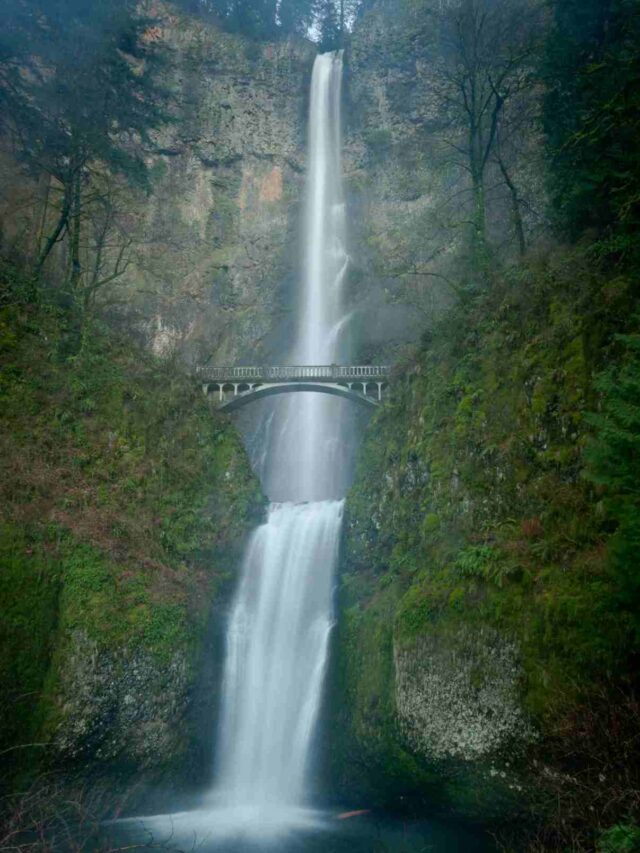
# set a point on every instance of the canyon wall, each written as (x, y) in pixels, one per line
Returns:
(210, 252)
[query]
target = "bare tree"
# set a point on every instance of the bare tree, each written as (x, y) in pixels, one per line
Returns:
(485, 61)
(107, 252)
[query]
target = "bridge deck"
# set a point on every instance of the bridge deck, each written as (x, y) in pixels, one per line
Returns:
(295, 373)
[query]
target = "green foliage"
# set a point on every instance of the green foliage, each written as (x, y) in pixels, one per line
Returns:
(329, 25)
(79, 88)
(85, 86)
(327, 21)
(474, 560)
(124, 505)
(471, 504)
(257, 19)
(29, 586)
(592, 113)
(379, 141)
(16, 288)
(614, 464)
(364, 705)
(622, 838)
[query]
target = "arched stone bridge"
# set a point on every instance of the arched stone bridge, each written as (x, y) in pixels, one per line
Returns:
(234, 387)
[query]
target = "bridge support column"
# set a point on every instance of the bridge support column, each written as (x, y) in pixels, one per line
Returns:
(379, 384)
(235, 389)
(205, 388)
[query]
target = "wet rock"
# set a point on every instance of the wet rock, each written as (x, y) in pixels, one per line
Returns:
(120, 702)
(459, 698)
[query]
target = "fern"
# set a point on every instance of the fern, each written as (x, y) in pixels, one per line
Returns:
(613, 463)
(622, 838)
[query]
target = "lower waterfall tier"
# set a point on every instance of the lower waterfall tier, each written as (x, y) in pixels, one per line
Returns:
(276, 655)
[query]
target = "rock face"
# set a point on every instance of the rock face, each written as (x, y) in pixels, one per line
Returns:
(460, 699)
(121, 704)
(211, 251)
(389, 187)
(217, 234)
(407, 179)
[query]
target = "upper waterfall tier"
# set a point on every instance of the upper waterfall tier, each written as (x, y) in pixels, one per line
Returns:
(308, 457)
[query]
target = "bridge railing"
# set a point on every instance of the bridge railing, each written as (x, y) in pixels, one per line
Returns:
(328, 372)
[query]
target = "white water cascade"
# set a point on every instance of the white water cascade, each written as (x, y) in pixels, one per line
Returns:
(279, 629)
(280, 622)
(308, 454)
(276, 655)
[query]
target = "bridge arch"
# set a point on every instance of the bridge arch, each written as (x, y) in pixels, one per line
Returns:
(235, 387)
(261, 391)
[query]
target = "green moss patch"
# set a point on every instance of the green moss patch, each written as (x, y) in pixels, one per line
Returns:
(125, 504)
(474, 503)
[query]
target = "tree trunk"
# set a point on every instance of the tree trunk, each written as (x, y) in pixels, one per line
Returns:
(479, 213)
(477, 162)
(515, 206)
(43, 218)
(74, 246)
(63, 221)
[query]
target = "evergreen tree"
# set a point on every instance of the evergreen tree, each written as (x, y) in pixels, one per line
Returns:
(296, 16)
(77, 82)
(258, 19)
(254, 18)
(592, 113)
(329, 26)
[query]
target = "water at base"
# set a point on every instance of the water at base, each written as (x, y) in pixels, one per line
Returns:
(298, 831)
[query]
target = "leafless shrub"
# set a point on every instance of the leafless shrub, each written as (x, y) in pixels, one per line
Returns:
(588, 774)
(52, 816)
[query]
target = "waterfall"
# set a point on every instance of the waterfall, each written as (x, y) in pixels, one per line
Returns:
(277, 648)
(309, 455)
(279, 628)
(281, 618)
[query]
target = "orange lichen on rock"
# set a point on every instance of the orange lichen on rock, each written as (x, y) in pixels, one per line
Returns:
(271, 186)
